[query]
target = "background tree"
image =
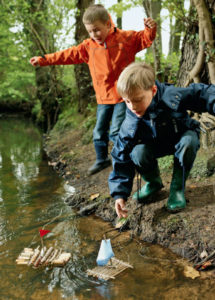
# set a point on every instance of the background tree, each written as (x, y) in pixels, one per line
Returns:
(198, 49)
(85, 91)
(198, 57)
(177, 15)
(15, 78)
(48, 88)
(37, 24)
(119, 17)
(153, 9)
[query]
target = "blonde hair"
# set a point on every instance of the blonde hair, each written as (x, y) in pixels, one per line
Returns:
(137, 75)
(95, 12)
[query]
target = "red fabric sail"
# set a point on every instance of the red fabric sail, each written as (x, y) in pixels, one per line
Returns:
(44, 232)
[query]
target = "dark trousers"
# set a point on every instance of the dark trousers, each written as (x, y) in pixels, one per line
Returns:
(109, 120)
(185, 149)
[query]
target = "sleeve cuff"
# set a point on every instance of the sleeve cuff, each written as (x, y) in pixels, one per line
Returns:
(120, 197)
(42, 60)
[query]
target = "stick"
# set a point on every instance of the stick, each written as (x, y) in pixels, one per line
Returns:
(34, 257)
(48, 253)
(205, 259)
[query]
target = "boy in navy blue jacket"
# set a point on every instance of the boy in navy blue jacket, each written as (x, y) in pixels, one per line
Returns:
(156, 124)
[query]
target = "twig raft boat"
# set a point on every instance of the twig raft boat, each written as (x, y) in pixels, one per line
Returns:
(111, 270)
(44, 257)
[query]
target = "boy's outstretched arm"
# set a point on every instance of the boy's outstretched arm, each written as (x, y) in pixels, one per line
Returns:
(73, 55)
(120, 208)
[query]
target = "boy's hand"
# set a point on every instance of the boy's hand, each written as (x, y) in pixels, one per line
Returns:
(34, 61)
(120, 208)
(150, 23)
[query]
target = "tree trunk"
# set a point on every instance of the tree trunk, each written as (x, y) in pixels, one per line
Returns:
(119, 18)
(49, 88)
(152, 9)
(82, 75)
(176, 30)
(198, 57)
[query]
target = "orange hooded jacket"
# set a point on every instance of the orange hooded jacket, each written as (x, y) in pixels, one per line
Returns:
(105, 61)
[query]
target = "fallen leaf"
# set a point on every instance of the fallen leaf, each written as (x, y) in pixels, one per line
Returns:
(191, 272)
(94, 196)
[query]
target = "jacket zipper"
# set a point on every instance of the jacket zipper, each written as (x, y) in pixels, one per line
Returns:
(108, 57)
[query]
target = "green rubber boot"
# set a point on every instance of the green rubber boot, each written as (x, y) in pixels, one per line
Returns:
(153, 184)
(177, 201)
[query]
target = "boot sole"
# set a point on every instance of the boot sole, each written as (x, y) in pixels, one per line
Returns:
(176, 210)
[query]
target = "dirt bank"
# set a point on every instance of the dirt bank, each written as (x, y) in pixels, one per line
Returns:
(187, 233)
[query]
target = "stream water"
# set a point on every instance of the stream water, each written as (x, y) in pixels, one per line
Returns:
(32, 196)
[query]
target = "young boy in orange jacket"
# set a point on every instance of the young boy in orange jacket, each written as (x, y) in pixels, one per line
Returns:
(107, 52)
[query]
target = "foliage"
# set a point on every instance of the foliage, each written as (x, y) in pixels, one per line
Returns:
(176, 9)
(17, 75)
(37, 111)
(169, 66)
(89, 124)
(165, 163)
(70, 118)
(17, 87)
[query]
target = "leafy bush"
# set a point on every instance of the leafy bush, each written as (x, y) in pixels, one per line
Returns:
(17, 87)
(169, 66)
(37, 111)
(166, 163)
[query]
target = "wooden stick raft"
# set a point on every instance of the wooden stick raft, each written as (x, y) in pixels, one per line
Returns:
(111, 270)
(44, 257)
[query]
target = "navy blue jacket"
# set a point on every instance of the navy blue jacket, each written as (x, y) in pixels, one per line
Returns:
(164, 121)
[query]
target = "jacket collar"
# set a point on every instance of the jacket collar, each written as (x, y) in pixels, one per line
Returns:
(110, 33)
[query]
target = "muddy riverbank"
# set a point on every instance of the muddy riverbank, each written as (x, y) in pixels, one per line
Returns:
(187, 233)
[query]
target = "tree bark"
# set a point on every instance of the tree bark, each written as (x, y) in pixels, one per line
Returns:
(197, 60)
(198, 57)
(119, 19)
(49, 88)
(82, 75)
(176, 30)
(152, 9)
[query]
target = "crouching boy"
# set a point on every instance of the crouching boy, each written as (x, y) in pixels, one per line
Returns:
(156, 124)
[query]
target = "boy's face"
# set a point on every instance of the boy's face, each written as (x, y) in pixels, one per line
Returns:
(98, 31)
(140, 100)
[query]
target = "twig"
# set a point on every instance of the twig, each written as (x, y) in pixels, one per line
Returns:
(38, 38)
(205, 259)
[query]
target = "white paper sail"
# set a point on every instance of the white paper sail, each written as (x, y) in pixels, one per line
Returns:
(105, 253)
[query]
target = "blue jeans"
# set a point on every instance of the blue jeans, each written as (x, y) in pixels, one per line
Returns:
(145, 156)
(107, 114)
